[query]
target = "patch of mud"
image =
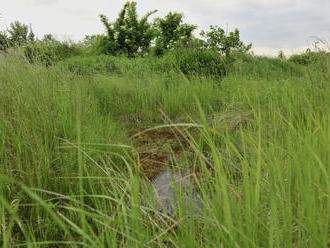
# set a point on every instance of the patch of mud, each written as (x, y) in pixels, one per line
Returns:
(156, 147)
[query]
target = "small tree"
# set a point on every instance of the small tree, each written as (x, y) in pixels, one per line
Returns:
(281, 55)
(217, 39)
(31, 36)
(128, 35)
(171, 31)
(20, 34)
(48, 38)
(17, 34)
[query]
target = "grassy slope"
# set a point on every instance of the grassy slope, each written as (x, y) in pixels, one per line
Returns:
(68, 167)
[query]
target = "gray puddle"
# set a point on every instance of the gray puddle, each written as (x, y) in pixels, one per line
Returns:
(171, 188)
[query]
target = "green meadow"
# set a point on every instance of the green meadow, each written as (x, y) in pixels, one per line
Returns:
(87, 128)
(79, 139)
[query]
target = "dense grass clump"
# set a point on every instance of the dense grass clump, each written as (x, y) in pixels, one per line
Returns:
(74, 152)
(190, 62)
(309, 57)
(264, 67)
(103, 64)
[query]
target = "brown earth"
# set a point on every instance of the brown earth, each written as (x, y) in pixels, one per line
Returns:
(156, 147)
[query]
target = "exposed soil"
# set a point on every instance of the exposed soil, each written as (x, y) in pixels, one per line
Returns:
(155, 148)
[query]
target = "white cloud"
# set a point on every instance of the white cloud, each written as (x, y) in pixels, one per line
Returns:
(41, 2)
(273, 52)
(288, 51)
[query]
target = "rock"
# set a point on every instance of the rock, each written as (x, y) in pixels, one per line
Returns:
(171, 187)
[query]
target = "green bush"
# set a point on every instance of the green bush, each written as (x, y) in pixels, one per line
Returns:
(200, 62)
(4, 41)
(99, 45)
(49, 53)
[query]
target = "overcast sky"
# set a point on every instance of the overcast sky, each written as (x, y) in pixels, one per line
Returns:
(270, 25)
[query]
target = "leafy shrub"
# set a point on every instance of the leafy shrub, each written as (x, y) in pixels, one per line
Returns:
(4, 41)
(49, 53)
(200, 62)
(100, 45)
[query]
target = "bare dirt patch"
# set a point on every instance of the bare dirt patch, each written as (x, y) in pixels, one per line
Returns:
(155, 148)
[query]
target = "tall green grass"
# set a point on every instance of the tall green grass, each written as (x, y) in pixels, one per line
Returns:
(69, 172)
